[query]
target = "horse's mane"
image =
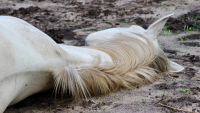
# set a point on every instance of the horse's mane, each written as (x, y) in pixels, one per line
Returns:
(134, 63)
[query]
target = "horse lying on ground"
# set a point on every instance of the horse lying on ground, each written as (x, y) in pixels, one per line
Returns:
(32, 62)
(134, 31)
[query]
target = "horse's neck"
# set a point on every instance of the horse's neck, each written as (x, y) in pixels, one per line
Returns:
(83, 57)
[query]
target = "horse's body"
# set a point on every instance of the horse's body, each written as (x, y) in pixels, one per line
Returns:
(29, 57)
(32, 62)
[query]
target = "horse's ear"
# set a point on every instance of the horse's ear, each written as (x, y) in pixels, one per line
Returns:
(155, 29)
(174, 67)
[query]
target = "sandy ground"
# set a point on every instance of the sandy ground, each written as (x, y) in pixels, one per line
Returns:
(70, 22)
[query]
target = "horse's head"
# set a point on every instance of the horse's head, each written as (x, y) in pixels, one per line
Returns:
(134, 31)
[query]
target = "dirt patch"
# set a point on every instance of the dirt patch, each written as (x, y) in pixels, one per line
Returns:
(25, 11)
(186, 22)
(59, 34)
(190, 37)
(190, 40)
(71, 21)
(165, 86)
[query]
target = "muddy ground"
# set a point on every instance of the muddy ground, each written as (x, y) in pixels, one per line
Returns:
(70, 22)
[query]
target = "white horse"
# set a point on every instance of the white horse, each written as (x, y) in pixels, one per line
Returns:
(134, 31)
(32, 62)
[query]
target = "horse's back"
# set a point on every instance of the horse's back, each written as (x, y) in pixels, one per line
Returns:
(24, 47)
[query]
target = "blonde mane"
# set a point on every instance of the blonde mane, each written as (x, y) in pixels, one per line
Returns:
(135, 63)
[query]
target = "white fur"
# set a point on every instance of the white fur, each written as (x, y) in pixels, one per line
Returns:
(97, 38)
(29, 58)
(88, 56)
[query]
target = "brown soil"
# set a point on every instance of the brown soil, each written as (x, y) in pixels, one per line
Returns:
(70, 22)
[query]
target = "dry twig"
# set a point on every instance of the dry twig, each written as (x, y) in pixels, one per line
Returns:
(177, 108)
